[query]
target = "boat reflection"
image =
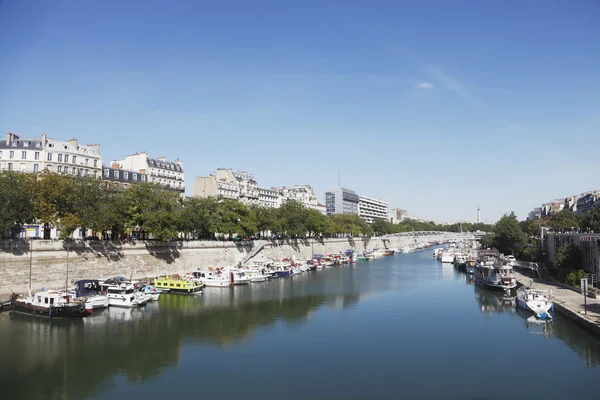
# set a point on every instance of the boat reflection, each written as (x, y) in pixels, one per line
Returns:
(493, 302)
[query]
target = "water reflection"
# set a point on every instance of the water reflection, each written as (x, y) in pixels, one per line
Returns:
(584, 343)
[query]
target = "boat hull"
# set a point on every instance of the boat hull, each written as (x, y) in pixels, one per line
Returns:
(282, 274)
(70, 311)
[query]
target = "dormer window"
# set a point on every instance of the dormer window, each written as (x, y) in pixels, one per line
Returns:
(107, 172)
(125, 175)
(116, 174)
(135, 177)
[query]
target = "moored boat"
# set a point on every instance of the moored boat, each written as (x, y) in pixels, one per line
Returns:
(178, 284)
(538, 301)
(90, 292)
(123, 293)
(51, 304)
(211, 279)
(495, 276)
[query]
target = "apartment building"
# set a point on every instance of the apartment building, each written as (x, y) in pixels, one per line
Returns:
(158, 170)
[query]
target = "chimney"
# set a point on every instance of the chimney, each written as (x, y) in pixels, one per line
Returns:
(10, 137)
(115, 165)
(73, 143)
(95, 147)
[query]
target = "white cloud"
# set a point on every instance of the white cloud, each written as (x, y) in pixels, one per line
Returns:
(424, 85)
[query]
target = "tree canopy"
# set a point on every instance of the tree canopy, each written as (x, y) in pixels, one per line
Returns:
(508, 237)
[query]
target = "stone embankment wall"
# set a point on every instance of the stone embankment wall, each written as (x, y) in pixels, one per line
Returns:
(53, 262)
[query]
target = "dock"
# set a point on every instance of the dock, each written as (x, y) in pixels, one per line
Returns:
(567, 301)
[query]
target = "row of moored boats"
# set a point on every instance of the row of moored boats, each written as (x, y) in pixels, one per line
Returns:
(495, 272)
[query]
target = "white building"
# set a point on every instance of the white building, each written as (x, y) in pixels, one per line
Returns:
(370, 208)
(269, 198)
(236, 185)
(166, 173)
(35, 155)
(397, 215)
(304, 194)
(339, 200)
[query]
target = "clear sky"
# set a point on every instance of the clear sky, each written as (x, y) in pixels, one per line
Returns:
(434, 106)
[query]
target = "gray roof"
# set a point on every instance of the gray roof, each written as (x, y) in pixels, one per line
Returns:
(121, 177)
(164, 164)
(20, 144)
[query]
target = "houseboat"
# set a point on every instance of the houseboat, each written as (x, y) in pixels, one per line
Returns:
(123, 293)
(90, 292)
(178, 284)
(51, 304)
(495, 276)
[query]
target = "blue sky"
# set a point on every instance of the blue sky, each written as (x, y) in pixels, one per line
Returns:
(434, 106)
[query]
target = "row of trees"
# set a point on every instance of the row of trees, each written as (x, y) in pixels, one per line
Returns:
(82, 202)
(383, 227)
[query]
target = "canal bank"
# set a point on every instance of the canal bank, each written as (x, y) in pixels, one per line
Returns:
(50, 263)
(568, 302)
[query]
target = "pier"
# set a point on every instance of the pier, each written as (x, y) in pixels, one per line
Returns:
(568, 301)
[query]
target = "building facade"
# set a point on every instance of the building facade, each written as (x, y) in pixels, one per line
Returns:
(370, 208)
(339, 200)
(45, 153)
(269, 198)
(588, 243)
(304, 194)
(121, 177)
(397, 215)
(158, 170)
(236, 185)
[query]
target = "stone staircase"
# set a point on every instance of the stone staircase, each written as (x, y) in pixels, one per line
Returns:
(258, 245)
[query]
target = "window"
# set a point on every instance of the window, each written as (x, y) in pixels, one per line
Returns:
(116, 174)
(85, 173)
(74, 159)
(0, 155)
(10, 166)
(60, 158)
(95, 174)
(135, 177)
(95, 163)
(49, 167)
(74, 171)
(66, 158)
(107, 172)
(36, 156)
(125, 175)
(49, 156)
(46, 300)
(25, 144)
(38, 145)
(87, 161)
(35, 167)
(66, 169)
(11, 154)
(59, 169)
(23, 155)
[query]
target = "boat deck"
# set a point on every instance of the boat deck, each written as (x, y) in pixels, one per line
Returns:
(567, 301)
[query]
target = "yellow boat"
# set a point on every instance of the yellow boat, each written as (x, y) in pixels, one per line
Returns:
(177, 284)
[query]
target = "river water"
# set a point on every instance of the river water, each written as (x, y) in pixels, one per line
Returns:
(398, 327)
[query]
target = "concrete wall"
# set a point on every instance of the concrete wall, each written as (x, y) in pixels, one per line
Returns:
(138, 259)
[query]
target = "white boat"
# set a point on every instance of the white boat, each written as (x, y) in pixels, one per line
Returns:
(511, 260)
(90, 292)
(240, 278)
(447, 257)
(210, 279)
(495, 276)
(538, 301)
(123, 293)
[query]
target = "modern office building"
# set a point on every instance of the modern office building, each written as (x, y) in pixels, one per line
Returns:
(339, 200)
(370, 208)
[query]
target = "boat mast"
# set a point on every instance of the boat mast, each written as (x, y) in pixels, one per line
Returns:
(67, 277)
(30, 261)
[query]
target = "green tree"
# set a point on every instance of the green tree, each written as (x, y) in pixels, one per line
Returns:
(267, 220)
(564, 219)
(153, 210)
(232, 217)
(591, 220)
(568, 259)
(15, 202)
(198, 217)
(317, 223)
(293, 217)
(381, 227)
(508, 236)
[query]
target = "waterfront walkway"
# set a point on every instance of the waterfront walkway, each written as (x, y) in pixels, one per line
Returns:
(568, 301)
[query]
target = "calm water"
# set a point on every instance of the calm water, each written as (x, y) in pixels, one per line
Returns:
(398, 327)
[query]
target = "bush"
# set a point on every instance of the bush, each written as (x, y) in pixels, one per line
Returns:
(574, 278)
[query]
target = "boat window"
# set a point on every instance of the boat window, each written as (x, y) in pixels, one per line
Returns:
(51, 300)
(178, 285)
(39, 299)
(129, 291)
(46, 300)
(171, 284)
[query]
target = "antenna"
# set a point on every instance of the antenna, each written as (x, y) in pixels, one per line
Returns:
(339, 184)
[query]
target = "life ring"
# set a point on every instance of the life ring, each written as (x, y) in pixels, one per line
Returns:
(81, 308)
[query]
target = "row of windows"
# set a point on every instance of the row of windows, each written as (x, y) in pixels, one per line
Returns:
(11, 155)
(26, 143)
(116, 175)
